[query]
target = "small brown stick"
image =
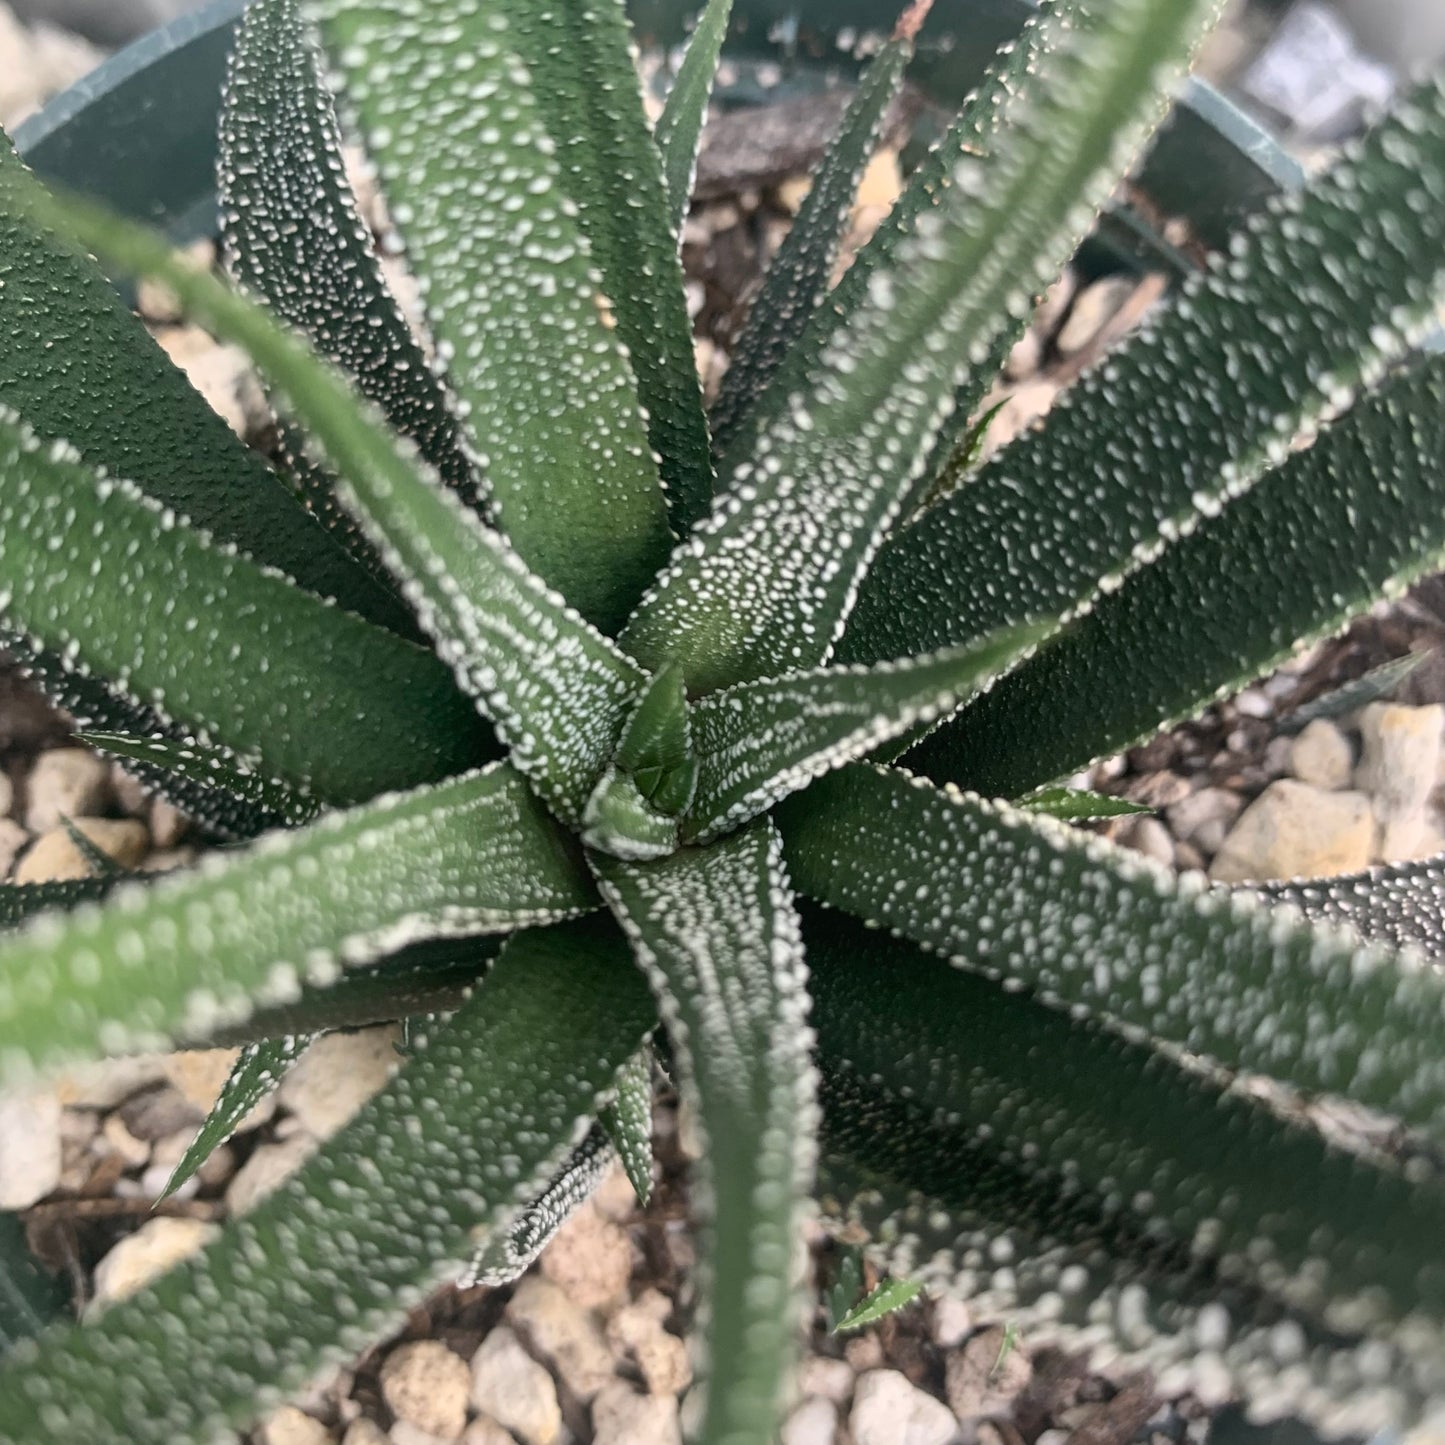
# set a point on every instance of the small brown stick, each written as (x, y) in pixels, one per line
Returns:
(64, 1209)
(911, 21)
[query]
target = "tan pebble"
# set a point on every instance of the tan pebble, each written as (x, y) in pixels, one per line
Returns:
(952, 1321)
(108, 1082)
(65, 783)
(621, 1416)
(1295, 831)
(591, 1259)
(1026, 356)
(814, 1422)
(130, 793)
(364, 1432)
(54, 858)
(510, 1387)
(167, 823)
(1093, 309)
(290, 1426)
(266, 1171)
(1056, 301)
(660, 1357)
(1151, 838)
(405, 1433)
(426, 1384)
(863, 1352)
(135, 1152)
(792, 192)
(1027, 405)
(199, 1074)
(30, 1147)
(12, 839)
(563, 1334)
(153, 1249)
(981, 1378)
(167, 860)
(829, 1379)
(882, 181)
(331, 1081)
(888, 1409)
(614, 1197)
(1400, 757)
(485, 1431)
(215, 371)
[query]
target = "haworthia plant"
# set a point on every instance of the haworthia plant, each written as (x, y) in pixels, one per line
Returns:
(797, 281)
(1025, 1094)
(258, 1069)
(679, 127)
(280, 150)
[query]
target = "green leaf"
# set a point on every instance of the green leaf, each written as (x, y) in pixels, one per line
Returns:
(975, 133)
(798, 278)
(962, 459)
(1213, 393)
(432, 977)
(580, 58)
(765, 584)
(19, 901)
(510, 1253)
(887, 1298)
(715, 932)
(1378, 682)
(1087, 926)
(558, 691)
(198, 951)
(211, 639)
(679, 127)
(94, 703)
(628, 1122)
(294, 239)
(1102, 1195)
(479, 193)
(1078, 805)
(484, 1114)
(847, 1286)
(658, 737)
(1308, 547)
(120, 402)
(257, 1071)
(1401, 905)
(100, 863)
(30, 1299)
(763, 740)
(215, 770)
(621, 820)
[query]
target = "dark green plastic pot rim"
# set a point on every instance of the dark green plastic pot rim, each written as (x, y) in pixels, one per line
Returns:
(140, 132)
